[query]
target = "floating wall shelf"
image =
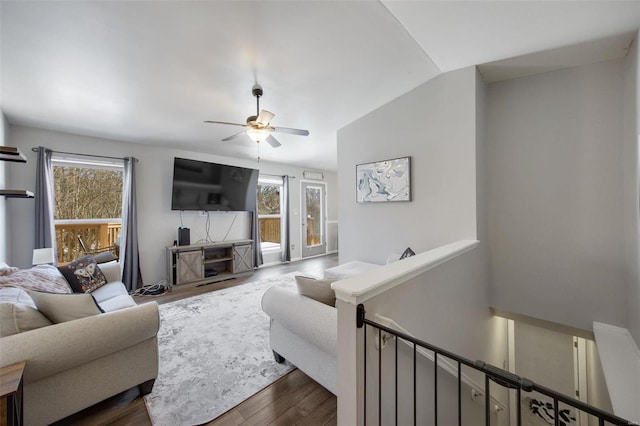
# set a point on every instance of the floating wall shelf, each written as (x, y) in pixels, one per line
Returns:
(10, 153)
(16, 193)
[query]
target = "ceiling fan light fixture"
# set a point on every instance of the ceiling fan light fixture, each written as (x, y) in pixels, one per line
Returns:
(258, 135)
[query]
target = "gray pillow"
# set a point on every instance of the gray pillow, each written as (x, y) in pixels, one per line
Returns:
(65, 307)
(317, 289)
(18, 312)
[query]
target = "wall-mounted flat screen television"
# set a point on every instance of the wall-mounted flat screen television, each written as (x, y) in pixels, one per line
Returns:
(199, 185)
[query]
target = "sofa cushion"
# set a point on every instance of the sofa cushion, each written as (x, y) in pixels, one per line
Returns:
(18, 313)
(109, 291)
(42, 278)
(117, 303)
(316, 289)
(111, 271)
(84, 275)
(65, 307)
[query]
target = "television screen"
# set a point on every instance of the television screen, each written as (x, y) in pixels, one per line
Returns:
(198, 185)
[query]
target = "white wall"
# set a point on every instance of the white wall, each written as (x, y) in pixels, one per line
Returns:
(440, 125)
(631, 127)
(4, 232)
(435, 125)
(556, 219)
(157, 223)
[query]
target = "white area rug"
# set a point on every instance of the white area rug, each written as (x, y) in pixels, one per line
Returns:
(214, 353)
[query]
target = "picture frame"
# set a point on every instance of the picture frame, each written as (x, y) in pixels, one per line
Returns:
(384, 181)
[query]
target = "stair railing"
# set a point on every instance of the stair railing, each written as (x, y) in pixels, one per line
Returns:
(491, 374)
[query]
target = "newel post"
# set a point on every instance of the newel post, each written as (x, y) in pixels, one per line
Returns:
(350, 366)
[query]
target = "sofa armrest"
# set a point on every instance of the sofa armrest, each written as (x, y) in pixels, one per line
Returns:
(59, 347)
(303, 316)
(111, 271)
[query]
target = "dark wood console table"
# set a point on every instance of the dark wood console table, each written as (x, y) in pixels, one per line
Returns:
(11, 394)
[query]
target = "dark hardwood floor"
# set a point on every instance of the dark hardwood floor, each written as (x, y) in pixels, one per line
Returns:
(294, 399)
(291, 400)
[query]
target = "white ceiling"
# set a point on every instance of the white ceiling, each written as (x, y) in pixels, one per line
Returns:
(151, 72)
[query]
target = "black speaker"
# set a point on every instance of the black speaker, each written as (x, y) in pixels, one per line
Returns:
(184, 239)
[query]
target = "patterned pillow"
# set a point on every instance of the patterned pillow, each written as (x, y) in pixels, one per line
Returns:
(41, 278)
(83, 275)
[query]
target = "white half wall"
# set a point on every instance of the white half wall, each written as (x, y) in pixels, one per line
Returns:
(157, 223)
(435, 124)
(555, 201)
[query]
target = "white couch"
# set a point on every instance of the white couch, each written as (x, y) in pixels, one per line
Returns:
(304, 332)
(75, 364)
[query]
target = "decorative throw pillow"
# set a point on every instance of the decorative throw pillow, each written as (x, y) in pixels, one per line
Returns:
(407, 253)
(317, 289)
(83, 275)
(65, 307)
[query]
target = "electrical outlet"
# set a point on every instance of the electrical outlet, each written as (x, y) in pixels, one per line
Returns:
(293, 246)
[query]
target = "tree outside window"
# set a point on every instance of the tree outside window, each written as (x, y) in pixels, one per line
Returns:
(86, 193)
(88, 207)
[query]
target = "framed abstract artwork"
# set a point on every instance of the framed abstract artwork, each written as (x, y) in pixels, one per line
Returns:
(384, 181)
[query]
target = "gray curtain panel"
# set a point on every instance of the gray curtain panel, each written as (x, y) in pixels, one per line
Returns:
(255, 232)
(45, 206)
(286, 249)
(129, 255)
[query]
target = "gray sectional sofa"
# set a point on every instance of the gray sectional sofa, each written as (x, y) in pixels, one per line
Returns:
(74, 364)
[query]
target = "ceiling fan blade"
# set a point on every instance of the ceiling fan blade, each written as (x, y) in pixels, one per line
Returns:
(234, 136)
(225, 122)
(299, 132)
(273, 141)
(265, 117)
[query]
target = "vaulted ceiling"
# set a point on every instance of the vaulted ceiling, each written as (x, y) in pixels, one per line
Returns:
(152, 72)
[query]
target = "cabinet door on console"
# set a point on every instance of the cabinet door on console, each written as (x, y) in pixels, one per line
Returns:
(242, 258)
(189, 266)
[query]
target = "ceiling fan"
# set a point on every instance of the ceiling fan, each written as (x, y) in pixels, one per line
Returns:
(258, 127)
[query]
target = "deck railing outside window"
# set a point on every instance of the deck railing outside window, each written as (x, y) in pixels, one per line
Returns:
(96, 234)
(270, 228)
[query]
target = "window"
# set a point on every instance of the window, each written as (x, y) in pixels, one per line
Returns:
(88, 198)
(269, 217)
